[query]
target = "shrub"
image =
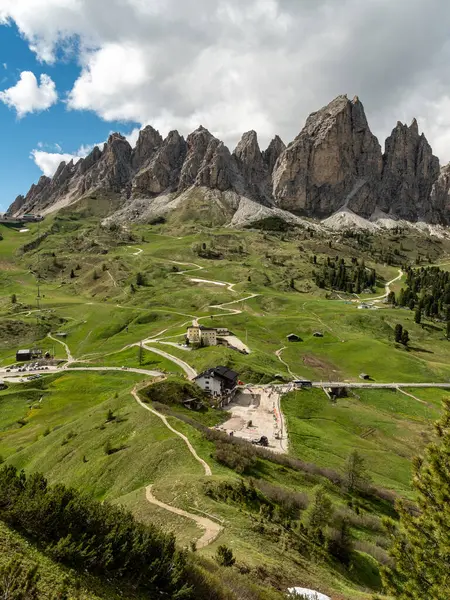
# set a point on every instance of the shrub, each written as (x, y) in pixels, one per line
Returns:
(224, 556)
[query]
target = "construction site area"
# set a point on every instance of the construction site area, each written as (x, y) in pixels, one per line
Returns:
(255, 416)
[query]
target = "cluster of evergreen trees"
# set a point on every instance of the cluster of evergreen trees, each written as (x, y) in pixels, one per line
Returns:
(427, 289)
(337, 275)
(99, 538)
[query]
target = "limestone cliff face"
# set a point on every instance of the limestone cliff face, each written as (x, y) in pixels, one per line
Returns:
(409, 171)
(162, 172)
(438, 209)
(271, 155)
(16, 206)
(149, 141)
(335, 161)
(250, 162)
(197, 146)
(218, 170)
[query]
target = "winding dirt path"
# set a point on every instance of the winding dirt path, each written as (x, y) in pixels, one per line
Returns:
(278, 355)
(411, 396)
(387, 288)
(139, 250)
(70, 358)
(191, 449)
(212, 529)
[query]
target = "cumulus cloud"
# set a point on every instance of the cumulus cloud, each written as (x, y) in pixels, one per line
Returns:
(29, 96)
(260, 64)
(48, 162)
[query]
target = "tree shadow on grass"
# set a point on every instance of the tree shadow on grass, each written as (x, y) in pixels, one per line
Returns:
(417, 349)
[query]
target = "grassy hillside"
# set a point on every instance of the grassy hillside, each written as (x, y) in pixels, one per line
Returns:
(109, 288)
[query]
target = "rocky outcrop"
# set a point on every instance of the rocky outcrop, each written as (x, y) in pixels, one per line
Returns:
(87, 163)
(438, 209)
(334, 164)
(335, 161)
(409, 171)
(162, 172)
(273, 152)
(112, 171)
(197, 147)
(149, 141)
(218, 170)
(251, 164)
(16, 206)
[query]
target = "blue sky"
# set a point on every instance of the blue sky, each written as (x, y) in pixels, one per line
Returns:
(229, 65)
(70, 129)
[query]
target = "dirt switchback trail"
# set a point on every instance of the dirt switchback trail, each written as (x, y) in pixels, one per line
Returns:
(70, 358)
(191, 449)
(212, 529)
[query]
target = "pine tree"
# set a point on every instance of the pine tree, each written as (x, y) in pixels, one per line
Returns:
(356, 477)
(405, 337)
(319, 512)
(13, 299)
(224, 556)
(418, 316)
(140, 279)
(421, 543)
(398, 333)
(72, 274)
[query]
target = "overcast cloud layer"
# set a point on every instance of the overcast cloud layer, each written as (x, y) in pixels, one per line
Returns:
(260, 64)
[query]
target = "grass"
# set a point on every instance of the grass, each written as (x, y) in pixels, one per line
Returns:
(386, 427)
(58, 424)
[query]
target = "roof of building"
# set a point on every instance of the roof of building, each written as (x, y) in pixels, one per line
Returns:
(222, 372)
(23, 352)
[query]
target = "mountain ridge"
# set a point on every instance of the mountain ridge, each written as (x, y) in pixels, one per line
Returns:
(334, 163)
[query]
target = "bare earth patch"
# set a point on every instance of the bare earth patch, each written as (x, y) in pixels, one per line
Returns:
(256, 412)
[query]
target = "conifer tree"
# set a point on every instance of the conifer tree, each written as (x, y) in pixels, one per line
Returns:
(356, 477)
(421, 543)
(398, 333)
(405, 337)
(418, 315)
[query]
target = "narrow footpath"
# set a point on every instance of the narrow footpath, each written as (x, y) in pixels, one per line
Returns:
(212, 529)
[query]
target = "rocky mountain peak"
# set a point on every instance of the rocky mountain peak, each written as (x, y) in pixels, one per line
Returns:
(409, 172)
(333, 162)
(272, 153)
(251, 163)
(148, 142)
(162, 172)
(218, 170)
(197, 145)
(16, 206)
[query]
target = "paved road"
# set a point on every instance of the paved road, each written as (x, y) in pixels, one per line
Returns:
(321, 384)
(15, 377)
(190, 371)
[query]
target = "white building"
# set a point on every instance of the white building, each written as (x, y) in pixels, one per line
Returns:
(219, 382)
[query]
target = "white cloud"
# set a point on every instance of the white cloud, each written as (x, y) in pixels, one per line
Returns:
(5, 66)
(48, 162)
(260, 64)
(29, 96)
